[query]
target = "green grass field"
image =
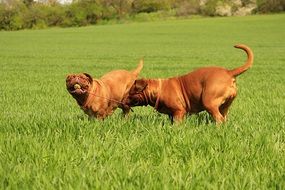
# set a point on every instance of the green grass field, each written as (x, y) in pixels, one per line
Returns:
(46, 141)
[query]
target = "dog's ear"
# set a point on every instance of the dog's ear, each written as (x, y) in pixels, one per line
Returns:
(89, 77)
(140, 85)
(68, 77)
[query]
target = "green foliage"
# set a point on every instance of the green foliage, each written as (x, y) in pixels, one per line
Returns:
(28, 3)
(34, 17)
(6, 17)
(187, 7)
(76, 15)
(20, 14)
(54, 15)
(148, 6)
(46, 141)
(209, 8)
(10, 16)
(265, 6)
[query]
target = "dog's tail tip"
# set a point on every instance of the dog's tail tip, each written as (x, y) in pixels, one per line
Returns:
(248, 63)
(241, 46)
(141, 62)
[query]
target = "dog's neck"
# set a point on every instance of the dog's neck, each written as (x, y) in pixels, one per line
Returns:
(80, 99)
(88, 96)
(152, 93)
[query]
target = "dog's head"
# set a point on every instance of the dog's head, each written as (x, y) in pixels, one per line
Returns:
(136, 95)
(78, 85)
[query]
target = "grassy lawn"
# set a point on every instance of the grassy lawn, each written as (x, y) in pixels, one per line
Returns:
(46, 141)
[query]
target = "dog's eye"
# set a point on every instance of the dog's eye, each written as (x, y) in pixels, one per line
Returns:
(135, 102)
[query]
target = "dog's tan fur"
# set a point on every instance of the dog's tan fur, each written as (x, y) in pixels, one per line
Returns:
(211, 88)
(100, 97)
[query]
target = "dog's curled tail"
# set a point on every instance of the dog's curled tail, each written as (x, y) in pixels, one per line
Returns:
(248, 63)
(139, 68)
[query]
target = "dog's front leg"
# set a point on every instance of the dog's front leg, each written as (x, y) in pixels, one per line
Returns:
(126, 110)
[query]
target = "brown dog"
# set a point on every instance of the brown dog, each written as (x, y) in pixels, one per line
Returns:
(100, 97)
(211, 88)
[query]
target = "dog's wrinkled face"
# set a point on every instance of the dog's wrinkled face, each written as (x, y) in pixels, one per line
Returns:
(78, 84)
(136, 96)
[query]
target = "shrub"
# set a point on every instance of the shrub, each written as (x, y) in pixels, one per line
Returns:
(149, 6)
(83, 13)
(76, 15)
(34, 17)
(209, 8)
(265, 6)
(6, 17)
(54, 15)
(184, 8)
(223, 9)
(10, 15)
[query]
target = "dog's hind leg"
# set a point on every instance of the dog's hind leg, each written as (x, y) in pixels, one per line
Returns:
(215, 113)
(212, 107)
(224, 108)
(217, 93)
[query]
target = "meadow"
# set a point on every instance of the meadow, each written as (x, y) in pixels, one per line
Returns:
(46, 141)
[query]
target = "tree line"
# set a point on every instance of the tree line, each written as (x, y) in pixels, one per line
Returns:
(23, 14)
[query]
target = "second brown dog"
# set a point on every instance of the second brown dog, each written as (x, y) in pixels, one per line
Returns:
(211, 88)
